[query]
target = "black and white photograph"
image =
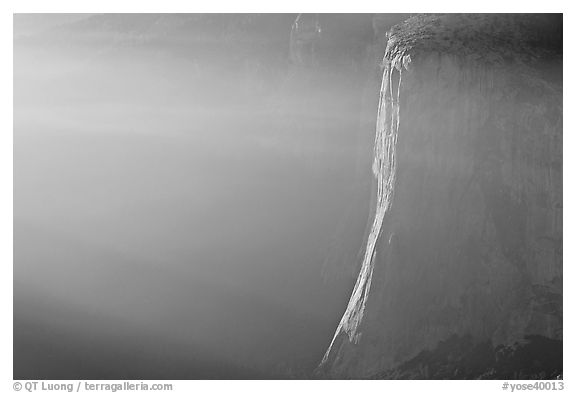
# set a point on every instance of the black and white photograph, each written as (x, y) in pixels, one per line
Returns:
(287, 196)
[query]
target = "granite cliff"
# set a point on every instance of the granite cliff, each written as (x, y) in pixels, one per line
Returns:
(462, 269)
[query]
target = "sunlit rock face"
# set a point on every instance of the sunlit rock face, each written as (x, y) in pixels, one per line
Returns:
(462, 271)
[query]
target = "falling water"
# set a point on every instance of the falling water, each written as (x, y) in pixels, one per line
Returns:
(384, 169)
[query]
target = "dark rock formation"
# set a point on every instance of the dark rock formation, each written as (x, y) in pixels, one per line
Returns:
(462, 273)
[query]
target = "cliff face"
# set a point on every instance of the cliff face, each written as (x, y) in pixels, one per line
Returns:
(462, 270)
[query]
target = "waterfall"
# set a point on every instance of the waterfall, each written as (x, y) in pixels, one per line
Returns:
(384, 169)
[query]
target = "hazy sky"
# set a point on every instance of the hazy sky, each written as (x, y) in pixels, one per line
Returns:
(181, 190)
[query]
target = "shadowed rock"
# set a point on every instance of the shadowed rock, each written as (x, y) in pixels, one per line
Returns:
(466, 239)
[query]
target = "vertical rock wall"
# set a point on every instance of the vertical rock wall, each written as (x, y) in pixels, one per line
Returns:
(466, 241)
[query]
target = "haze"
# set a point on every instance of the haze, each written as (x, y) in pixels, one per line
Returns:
(179, 198)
